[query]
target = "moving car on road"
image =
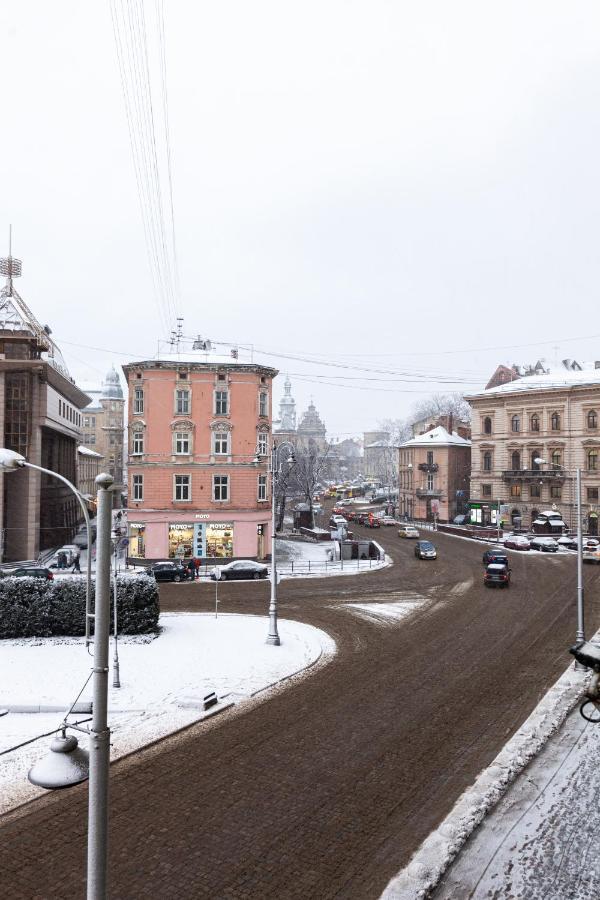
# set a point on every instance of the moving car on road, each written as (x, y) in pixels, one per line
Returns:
(372, 522)
(240, 568)
(591, 555)
(495, 556)
(425, 550)
(388, 520)
(408, 531)
(168, 571)
(545, 544)
(496, 575)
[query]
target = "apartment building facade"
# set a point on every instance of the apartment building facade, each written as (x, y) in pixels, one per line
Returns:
(529, 438)
(200, 430)
(433, 474)
(103, 429)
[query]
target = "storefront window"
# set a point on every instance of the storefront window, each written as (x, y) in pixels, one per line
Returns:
(137, 546)
(181, 541)
(219, 539)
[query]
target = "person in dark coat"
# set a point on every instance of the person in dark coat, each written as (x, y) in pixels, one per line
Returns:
(76, 566)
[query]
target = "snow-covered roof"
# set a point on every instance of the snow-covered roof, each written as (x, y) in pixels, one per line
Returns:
(437, 436)
(85, 451)
(555, 379)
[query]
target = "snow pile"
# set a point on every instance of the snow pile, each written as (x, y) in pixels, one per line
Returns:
(437, 851)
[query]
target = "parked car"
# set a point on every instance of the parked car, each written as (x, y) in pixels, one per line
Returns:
(241, 568)
(591, 543)
(28, 572)
(361, 518)
(517, 542)
(496, 575)
(408, 531)
(591, 555)
(168, 571)
(373, 522)
(545, 544)
(388, 520)
(495, 556)
(569, 543)
(425, 550)
(337, 511)
(336, 521)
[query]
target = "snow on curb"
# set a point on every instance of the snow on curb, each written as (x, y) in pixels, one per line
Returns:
(429, 863)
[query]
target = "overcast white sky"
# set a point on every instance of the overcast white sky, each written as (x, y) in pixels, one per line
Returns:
(379, 184)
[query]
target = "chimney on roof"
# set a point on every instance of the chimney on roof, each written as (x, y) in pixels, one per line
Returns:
(450, 423)
(597, 364)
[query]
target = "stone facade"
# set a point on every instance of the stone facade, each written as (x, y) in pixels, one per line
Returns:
(89, 466)
(198, 462)
(104, 429)
(433, 475)
(553, 416)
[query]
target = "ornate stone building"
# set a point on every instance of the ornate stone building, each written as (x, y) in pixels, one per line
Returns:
(311, 432)
(104, 428)
(434, 474)
(529, 437)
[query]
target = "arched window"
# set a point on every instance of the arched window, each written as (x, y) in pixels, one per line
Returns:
(515, 423)
(592, 460)
(592, 419)
(535, 454)
(556, 459)
(487, 461)
(555, 421)
(515, 460)
(535, 422)
(487, 425)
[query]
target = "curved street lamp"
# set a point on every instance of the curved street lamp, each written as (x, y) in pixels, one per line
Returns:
(10, 461)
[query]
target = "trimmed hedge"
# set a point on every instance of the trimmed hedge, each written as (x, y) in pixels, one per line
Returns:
(31, 607)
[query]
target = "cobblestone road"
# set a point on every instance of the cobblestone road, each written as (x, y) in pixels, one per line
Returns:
(325, 789)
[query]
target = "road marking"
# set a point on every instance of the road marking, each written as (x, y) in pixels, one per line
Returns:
(386, 613)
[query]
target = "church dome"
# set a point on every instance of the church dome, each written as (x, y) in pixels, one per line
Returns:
(111, 387)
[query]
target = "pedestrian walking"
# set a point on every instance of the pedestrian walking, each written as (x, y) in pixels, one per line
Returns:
(197, 563)
(76, 566)
(62, 560)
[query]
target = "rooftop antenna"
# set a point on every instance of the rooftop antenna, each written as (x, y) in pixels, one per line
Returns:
(9, 266)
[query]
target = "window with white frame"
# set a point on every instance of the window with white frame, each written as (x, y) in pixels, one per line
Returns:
(138, 401)
(182, 402)
(182, 487)
(221, 443)
(263, 404)
(221, 403)
(137, 444)
(220, 487)
(263, 443)
(262, 487)
(137, 487)
(181, 442)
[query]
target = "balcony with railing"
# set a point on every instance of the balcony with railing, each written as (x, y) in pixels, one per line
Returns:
(428, 467)
(426, 493)
(534, 474)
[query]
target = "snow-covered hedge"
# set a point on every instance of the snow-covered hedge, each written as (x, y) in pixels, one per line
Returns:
(31, 607)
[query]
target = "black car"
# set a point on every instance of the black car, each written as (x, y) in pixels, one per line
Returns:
(241, 568)
(497, 575)
(495, 556)
(29, 572)
(425, 550)
(168, 571)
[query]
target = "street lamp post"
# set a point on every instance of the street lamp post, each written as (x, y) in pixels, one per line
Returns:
(276, 469)
(580, 633)
(116, 675)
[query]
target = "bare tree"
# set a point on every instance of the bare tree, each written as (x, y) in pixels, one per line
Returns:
(305, 475)
(399, 430)
(442, 405)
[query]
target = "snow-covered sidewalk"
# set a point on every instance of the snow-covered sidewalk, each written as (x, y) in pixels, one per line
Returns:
(164, 680)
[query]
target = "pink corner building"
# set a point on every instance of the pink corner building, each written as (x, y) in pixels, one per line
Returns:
(199, 442)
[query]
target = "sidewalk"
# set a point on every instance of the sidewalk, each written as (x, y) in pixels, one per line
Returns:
(528, 828)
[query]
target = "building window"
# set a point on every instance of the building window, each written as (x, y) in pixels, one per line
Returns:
(137, 443)
(487, 425)
(86, 421)
(555, 492)
(486, 490)
(220, 487)
(592, 493)
(138, 401)
(535, 422)
(515, 423)
(535, 490)
(515, 490)
(430, 486)
(487, 461)
(137, 485)
(430, 457)
(263, 404)
(515, 460)
(592, 419)
(182, 485)
(556, 459)
(592, 460)
(535, 454)
(181, 440)
(263, 443)
(221, 403)
(221, 443)
(262, 487)
(555, 421)
(182, 402)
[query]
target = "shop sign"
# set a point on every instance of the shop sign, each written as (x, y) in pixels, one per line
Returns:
(137, 525)
(201, 516)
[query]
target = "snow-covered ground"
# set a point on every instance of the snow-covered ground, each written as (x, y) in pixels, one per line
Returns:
(193, 655)
(310, 558)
